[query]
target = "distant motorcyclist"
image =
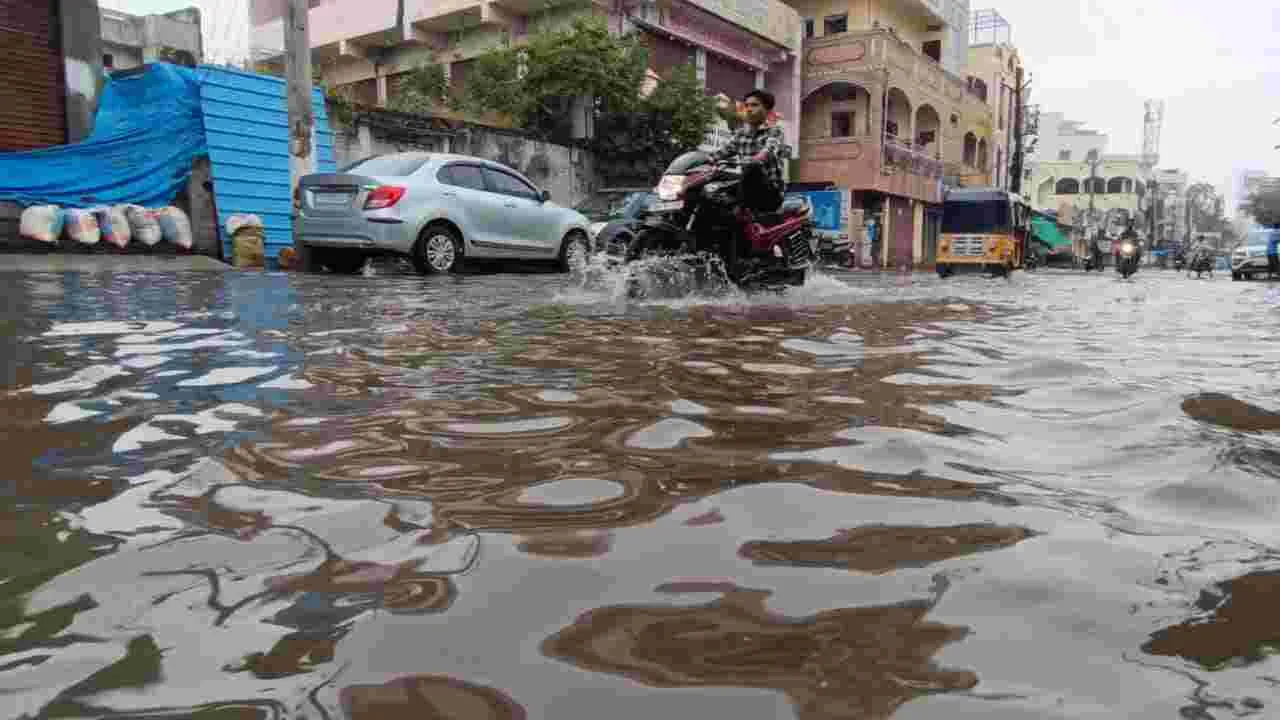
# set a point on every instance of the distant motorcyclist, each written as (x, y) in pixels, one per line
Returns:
(1094, 259)
(757, 147)
(1130, 234)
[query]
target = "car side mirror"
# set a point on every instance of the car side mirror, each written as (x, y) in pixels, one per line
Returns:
(544, 196)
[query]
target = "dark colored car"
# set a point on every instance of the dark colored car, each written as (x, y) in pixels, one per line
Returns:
(613, 212)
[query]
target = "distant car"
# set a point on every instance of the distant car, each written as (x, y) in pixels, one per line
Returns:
(436, 209)
(613, 213)
(1256, 255)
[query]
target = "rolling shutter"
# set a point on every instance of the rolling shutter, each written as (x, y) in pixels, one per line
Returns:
(32, 95)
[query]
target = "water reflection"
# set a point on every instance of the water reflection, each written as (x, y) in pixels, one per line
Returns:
(883, 549)
(226, 493)
(428, 696)
(846, 663)
(1238, 625)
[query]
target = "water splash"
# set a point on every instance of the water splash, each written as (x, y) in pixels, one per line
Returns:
(684, 276)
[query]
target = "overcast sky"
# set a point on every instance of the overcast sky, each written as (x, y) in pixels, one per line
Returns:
(1215, 63)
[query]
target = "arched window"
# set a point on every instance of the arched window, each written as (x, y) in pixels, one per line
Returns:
(1097, 186)
(970, 149)
(1067, 186)
(1119, 186)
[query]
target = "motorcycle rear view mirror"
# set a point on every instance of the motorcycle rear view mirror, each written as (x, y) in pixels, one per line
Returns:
(544, 196)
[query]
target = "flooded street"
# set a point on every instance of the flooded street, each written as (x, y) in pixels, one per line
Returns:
(505, 496)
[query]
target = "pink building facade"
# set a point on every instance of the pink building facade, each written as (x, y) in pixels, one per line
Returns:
(366, 47)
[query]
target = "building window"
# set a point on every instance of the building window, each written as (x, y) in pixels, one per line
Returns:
(891, 128)
(835, 24)
(933, 49)
(1067, 186)
(1119, 186)
(808, 27)
(1064, 156)
(978, 88)
(108, 61)
(841, 124)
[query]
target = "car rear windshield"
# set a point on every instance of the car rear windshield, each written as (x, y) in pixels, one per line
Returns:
(390, 165)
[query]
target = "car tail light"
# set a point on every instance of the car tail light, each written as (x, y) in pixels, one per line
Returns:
(383, 196)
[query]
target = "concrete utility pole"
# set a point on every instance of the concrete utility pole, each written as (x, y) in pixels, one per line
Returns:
(1093, 161)
(1015, 169)
(297, 49)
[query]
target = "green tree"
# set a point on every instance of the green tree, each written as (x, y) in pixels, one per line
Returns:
(681, 98)
(527, 82)
(1264, 205)
(425, 89)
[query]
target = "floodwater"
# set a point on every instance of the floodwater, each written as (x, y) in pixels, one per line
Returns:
(506, 496)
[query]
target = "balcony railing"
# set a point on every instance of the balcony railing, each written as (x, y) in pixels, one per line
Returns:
(918, 159)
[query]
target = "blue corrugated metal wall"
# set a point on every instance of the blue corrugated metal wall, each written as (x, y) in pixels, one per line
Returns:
(246, 120)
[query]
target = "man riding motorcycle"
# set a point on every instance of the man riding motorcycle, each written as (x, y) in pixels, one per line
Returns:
(1129, 235)
(758, 148)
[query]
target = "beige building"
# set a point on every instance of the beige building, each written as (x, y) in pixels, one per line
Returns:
(993, 73)
(887, 112)
(1117, 191)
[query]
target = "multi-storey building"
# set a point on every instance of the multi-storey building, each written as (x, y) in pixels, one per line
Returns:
(129, 41)
(368, 46)
(994, 72)
(1063, 176)
(888, 113)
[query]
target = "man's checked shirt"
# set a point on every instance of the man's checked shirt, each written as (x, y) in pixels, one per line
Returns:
(748, 141)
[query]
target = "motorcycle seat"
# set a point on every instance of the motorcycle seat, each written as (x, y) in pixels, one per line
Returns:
(790, 208)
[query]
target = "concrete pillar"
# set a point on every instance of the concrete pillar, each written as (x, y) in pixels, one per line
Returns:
(80, 27)
(886, 231)
(365, 137)
(917, 233)
(876, 117)
(700, 63)
(381, 82)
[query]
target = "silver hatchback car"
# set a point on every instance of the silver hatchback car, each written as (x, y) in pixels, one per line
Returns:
(436, 209)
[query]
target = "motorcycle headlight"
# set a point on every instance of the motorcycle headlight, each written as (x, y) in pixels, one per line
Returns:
(1126, 248)
(670, 187)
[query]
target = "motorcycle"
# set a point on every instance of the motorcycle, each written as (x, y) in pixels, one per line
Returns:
(1201, 262)
(1127, 261)
(1179, 262)
(1093, 261)
(700, 213)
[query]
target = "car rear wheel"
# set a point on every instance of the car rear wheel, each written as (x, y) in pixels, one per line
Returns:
(439, 250)
(574, 251)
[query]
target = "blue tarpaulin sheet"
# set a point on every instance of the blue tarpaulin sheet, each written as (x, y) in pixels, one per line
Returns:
(148, 130)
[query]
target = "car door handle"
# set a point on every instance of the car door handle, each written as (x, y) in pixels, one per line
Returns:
(449, 194)
(510, 204)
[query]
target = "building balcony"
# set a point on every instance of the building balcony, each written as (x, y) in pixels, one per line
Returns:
(864, 57)
(349, 28)
(873, 163)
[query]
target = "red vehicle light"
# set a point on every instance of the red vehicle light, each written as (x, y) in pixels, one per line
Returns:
(383, 196)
